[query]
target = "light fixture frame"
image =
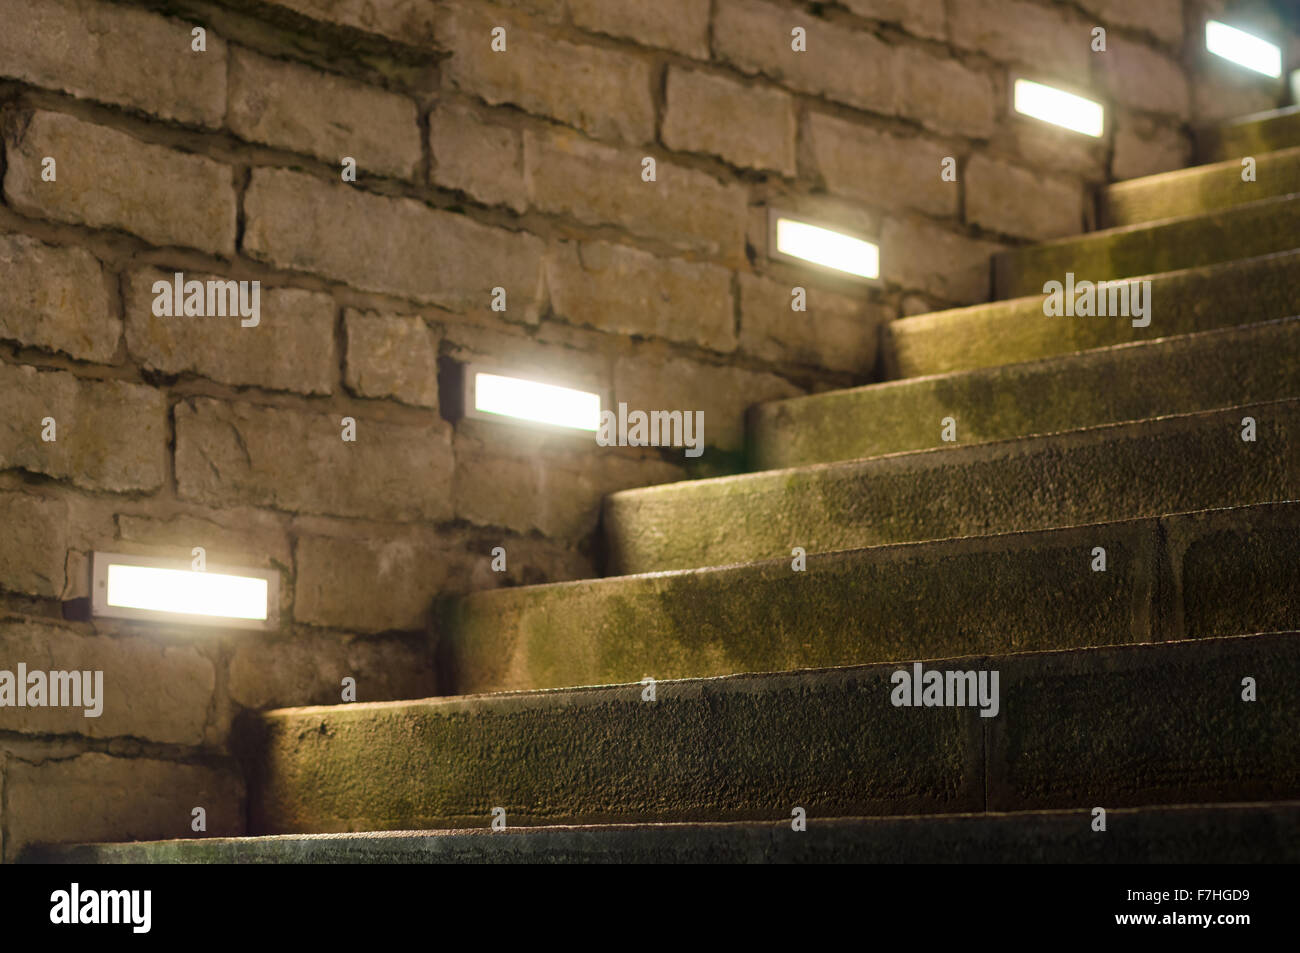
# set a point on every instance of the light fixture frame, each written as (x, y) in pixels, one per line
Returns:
(1073, 89)
(775, 213)
(468, 393)
(99, 607)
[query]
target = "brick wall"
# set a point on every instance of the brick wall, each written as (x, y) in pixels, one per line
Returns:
(476, 170)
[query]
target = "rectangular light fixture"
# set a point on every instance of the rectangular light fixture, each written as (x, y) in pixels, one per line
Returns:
(1058, 107)
(491, 395)
(1243, 48)
(169, 590)
(795, 239)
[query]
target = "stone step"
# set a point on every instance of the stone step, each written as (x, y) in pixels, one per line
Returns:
(1205, 188)
(1256, 228)
(1112, 727)
(1181, 374)
(1007, 332)
(1256, 833)
(1143, 468)
(1250, 135)
(1187, 576)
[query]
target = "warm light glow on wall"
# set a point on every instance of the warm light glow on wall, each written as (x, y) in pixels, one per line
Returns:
(1243, 48)
(804, 241)
(536, 402)
(1059, 107)
(136, 587)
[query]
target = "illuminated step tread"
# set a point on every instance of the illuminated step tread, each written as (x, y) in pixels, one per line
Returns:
(1250, 135)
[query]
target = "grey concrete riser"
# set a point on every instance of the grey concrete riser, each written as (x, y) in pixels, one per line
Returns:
(1191, 576)
(1113, 727)
(1124, 471)
(1006, 332)
(1268, 225)
(1221, 834)
(1202, 189)
(1129, 382)
(1250, 136)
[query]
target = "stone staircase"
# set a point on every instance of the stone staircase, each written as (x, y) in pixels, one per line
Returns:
(1120, 688)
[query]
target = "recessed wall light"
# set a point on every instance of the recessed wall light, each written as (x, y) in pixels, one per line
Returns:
(493, 395)
(794, 239)
(1049, 104)
(169, 590)
(1243, 48)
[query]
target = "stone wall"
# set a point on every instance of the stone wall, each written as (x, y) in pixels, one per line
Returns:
(476, 170)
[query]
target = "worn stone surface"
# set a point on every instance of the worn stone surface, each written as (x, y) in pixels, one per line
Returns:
(1162, 19)
(880, 169)
(1210, 834)
(152, 690)
(232, 537)
(921, 256)
(1024, 33)
(406, 21)
(301, 109)
(1004, 332)
(1261, 227)
(921, 17)
(290, 348)
(945, 95)
(229, 454)
(602, 92)
(98, 797)
(1139, 469)
(816, 740)
(1250, 136)
(391, 355)
(1193, 372)
(597, 185)
(1012, 200)
(483, 160)
(1138, 76)
(107, 179)
(34, 557)
(376, 243)
(621, 289)
(749, 126)
(836, 331)
(56, 297)
(94, 50)
(109, 435)
(1144, 146)
(679, 25)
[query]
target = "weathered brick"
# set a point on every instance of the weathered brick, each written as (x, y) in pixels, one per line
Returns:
(837, 331)
(1144, 147)
(1218, 94)
(1163, 19)
(1014, 201)
(880, 169)
(600, 185)
(483, 160)
(373, 584)
(391, 356)
(304, 110)
(848, 66)
(407, 21)
(107, 179)
(620, 289)
(95, 51)
(918, 17)
(110, 435)
(526, 356)
(723, 393)
(748, 126)
(1141, 77)
(97, 797)
(309, 670)
(1024, 33)
(56, 298)
(604, 93)
(33, 555)
(296, 461)
(150, 690)
(290, 348)
(234, 537)
(944, 95)
(922, 257)
(681, 25)
(395, 246)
